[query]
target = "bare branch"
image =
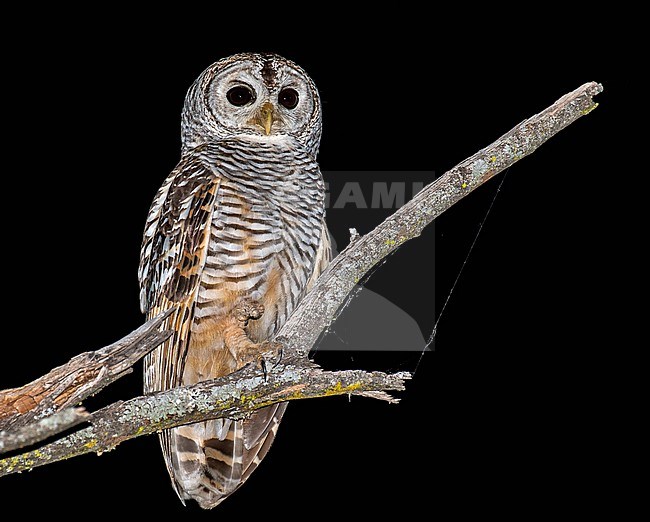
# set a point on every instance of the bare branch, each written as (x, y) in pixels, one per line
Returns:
(41, 429)
(238, 394)
(317, 310)
(81, 377)
(233, 396)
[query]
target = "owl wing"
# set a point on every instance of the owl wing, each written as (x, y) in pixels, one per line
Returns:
(174, 249)
(173, 252)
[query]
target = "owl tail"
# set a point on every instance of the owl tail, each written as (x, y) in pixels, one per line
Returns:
(209, 460)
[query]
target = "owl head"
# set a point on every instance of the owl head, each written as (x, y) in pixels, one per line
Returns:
(263, 96)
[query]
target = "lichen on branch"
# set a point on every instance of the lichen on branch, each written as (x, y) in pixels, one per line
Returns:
(238, 394)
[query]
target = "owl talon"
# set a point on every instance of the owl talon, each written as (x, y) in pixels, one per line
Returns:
(271, 351)
(279, 352)
(260, 354)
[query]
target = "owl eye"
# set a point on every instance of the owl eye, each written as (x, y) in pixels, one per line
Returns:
(240, 96)
(288, 98)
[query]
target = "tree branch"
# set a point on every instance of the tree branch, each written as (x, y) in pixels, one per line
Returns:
(69, 384)
(39, 430)
(240, 393)
(317, 310)
(233, 396)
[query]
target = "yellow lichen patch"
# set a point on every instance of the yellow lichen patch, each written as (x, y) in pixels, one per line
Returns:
(493, 159)
(289, 394)
(295, 395)
(390, 242)
(589, 109)
(463, 185)
(20, 461)
(90, 444)
(339, 389)
(140, 431)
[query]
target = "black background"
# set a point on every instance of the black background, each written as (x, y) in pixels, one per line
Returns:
(499, 418)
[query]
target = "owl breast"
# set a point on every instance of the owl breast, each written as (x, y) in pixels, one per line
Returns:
(265, 233)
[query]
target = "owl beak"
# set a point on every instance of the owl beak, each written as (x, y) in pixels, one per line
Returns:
(264, 118)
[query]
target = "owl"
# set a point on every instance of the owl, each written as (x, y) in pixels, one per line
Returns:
(234, 239)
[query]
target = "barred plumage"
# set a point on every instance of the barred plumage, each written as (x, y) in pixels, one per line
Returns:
(239, 220)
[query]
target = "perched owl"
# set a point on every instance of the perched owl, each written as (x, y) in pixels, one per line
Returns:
(234, 239)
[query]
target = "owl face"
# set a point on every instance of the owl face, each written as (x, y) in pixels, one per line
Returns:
(260, 95)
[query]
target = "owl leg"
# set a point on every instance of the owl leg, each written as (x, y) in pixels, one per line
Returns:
(239, 344)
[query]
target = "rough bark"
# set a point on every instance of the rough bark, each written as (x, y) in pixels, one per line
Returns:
(69, 384)
(318, 308)
(232, 396)
(39, 430)
(297, 378)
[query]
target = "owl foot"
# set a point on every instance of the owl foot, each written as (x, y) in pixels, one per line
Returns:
(263, 355)
(240, 345)
(246, 310)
